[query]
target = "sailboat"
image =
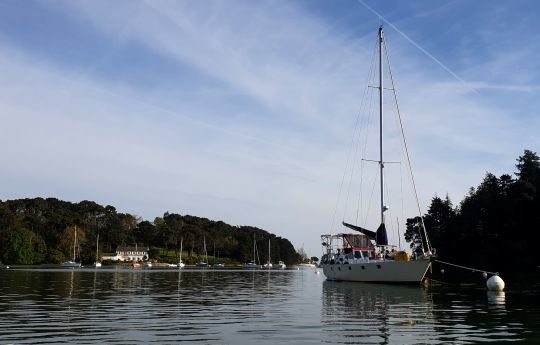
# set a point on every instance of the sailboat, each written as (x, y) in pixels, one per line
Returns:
(203, 263)
(253, 264)
(268, 264)
(97, 263)
(73, 263)
(365, 256)
(217, 264)
(180, 263)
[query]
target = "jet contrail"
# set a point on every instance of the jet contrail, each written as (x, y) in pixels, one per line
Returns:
(419, 47)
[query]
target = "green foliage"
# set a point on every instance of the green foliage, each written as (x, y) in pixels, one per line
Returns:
(23, 247)
(52, 222)
(496, 224)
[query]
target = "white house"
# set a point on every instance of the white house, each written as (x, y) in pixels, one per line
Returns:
(127, 254)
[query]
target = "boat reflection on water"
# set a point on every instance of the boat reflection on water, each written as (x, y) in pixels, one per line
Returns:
(376, 312)
(396, 314)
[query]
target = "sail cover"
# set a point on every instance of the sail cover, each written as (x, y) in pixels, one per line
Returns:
(371, 234)
(379, 236)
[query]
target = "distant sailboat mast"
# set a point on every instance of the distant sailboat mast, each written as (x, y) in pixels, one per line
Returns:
(97, 248)
(180, 263)
(75, 244)
(205, 252)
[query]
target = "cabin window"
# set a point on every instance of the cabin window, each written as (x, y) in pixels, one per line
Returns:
(357, 254)
(365, 253)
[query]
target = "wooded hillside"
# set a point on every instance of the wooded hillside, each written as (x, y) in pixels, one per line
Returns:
(34, 231)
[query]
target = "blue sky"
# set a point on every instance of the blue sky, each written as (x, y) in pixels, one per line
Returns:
(243, 111)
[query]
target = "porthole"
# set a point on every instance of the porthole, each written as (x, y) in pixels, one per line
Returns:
(349, 268)
(363, 267)
(339, 268)
(378, 266)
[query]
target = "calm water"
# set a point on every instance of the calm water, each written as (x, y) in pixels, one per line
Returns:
(241, 307)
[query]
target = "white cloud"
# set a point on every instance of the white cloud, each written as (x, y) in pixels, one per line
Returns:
(276, 162)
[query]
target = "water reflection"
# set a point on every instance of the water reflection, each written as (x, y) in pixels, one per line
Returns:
(368, 313)
(497, 299)
(116, 306)
(376, 313)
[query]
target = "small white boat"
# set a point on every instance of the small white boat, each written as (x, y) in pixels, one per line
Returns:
(252, 264)
(73, 263)
(180, 263)
(172, 265)
(203, 263)
(97, 264)
(280, 266)
(268, 264)
(219, 265)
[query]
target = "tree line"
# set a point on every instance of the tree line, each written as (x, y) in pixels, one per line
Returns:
(38, 230)
(495, 227)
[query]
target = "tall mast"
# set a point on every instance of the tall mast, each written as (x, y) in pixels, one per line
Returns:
(381, 162)
(268, 252)
(205, 252)
(181, 243)
(74, 243)
(97, 248)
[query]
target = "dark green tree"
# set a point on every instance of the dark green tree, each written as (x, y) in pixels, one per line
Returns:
(23, 247)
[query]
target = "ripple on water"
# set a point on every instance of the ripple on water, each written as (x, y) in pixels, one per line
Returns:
(245, 307)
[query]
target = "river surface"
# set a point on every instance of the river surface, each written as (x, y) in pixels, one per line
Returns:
(125, 306)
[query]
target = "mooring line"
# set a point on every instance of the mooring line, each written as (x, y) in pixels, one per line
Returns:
(466, 268)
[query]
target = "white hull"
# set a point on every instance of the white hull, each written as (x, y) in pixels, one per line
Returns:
(97, 264)
(280, 266)
(72, 264)
(383, 271)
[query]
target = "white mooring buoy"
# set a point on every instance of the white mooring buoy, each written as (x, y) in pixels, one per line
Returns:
(495, 283)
